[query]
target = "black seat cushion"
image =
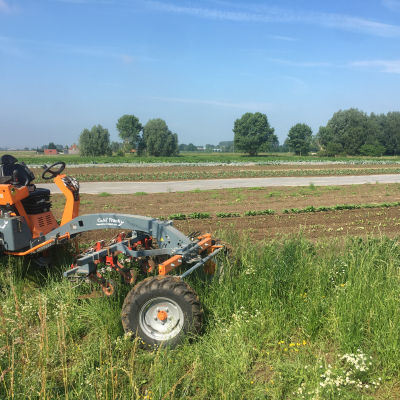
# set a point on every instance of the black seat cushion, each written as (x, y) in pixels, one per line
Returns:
(38, 192)
(25, 175)
(8, 159)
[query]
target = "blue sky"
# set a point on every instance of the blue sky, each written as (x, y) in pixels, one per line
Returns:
(67, 65)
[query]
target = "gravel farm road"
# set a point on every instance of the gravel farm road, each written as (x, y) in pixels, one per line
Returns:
(212, 184)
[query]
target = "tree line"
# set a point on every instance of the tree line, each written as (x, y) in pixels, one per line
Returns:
(353, 132)
(349, 132)
(154, 139)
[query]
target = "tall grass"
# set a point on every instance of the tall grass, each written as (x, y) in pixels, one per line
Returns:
(277, 317)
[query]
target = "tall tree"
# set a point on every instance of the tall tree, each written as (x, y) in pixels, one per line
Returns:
(158, 140)
(95, 143)
(129, 128)
(115, 146)
(52, 146)
(252, 131)
(191, 147)
(299, 139)
(351, 129)
(390, 131)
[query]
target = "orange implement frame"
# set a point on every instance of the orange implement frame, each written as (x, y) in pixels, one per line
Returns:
(71, 209)
(175, 261)
(169, 265)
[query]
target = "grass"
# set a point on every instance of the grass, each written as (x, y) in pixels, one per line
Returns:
(104, 194)
(279, 320)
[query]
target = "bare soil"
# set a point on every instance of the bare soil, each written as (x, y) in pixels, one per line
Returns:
(359, 222)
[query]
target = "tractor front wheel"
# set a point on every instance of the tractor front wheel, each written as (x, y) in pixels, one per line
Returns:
(162, 309)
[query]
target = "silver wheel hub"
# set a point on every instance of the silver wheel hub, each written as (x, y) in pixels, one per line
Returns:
(161, 318)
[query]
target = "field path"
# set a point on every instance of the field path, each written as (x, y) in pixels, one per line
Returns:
(186, 186)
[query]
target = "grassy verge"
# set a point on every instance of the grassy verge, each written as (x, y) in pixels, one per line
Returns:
(287, 319)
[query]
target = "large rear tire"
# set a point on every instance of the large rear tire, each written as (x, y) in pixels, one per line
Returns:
(162, 309)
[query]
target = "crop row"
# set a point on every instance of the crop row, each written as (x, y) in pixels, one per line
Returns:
(340, 207)
(146, 176)
(202, 159)
(206, 215)
(309, 209)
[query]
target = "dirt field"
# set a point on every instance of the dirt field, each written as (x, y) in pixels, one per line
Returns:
(150, 173)
(314, 225)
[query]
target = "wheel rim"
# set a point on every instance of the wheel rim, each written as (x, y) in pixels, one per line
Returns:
(161, 318)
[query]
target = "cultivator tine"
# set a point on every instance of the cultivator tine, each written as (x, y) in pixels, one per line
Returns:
(194, 234)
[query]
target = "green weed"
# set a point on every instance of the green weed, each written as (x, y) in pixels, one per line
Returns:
(283, 319)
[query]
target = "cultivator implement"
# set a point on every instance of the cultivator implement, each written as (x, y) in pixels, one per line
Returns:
(166, 250)
(162, 307)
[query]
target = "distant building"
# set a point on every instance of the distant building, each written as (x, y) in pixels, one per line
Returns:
(50, 151)
(74, 149)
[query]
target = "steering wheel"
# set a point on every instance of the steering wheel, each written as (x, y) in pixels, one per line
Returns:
(53, 174)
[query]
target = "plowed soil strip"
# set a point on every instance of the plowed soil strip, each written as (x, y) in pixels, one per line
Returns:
(314, 225)
(154, 174)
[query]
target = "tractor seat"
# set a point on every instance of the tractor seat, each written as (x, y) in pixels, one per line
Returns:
(37, 202)
(8, 165)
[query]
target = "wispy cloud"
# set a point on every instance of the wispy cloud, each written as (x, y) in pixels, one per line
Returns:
(86, 1)
(391, 66)
(23, 47)
(393, 5)
(306, 64)
(296, 80)
(288, 39)
(4, 6)
(215, 103)
(126, 59)
(276, 15)
(7, 46)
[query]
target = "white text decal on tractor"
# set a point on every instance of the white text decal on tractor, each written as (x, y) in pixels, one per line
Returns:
(108, 221)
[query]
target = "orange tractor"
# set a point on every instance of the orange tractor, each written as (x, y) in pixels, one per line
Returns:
(159, 309)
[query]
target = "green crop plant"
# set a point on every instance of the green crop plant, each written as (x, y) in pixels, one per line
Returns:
(201, 215)
(177, 216)
(339, 207)
(262, 212)
(227, 215)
